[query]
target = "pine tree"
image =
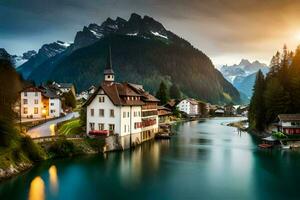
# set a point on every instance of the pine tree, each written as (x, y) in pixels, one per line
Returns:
(162, 93)
(257, 107)
(294, 74)
(277, 100)
(175, 92)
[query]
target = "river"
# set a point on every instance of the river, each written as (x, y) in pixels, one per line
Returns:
(204, 160)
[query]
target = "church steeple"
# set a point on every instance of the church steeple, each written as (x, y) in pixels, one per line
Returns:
(109, 74)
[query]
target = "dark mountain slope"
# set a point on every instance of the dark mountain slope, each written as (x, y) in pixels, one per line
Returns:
(146, 61)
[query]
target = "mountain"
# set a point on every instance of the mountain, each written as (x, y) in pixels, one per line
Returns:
(242, 75)
(143, 52)
(4, 55)
(35, 59)
(243, 69)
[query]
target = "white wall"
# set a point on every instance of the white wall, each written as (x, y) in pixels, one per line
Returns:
(54, 107)
(106, 120)
(125, 120)
(187, 107)
(31, 97)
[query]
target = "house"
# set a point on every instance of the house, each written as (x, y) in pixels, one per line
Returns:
(164, 114)
(219, 112)
(188, 106)
(55, 105)
(63, 88)
(39, 103)
(289, 124)
(203, 108)
(171, 104)
(123, 109)
(229, 110)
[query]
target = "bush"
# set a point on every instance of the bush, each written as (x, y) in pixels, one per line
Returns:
(7, 133)
(32, 150)
(279, 135)
(62, 147)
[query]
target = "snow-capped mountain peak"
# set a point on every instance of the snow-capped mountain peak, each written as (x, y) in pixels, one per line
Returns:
(145, 27)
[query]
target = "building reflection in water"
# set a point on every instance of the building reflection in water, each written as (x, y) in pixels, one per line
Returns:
(53, 179)
(37, 189)
(142, 160)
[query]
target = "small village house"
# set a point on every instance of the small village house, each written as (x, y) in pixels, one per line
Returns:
(189, 106)
(122, 109)
(289, 124)
(164, 114)
(37, 103)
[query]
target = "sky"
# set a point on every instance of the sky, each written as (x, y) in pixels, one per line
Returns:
(225, 30)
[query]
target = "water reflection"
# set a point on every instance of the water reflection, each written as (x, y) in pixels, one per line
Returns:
(134, 164)
(53, 179)
(37, 189)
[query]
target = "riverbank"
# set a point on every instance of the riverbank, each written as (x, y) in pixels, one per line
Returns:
(15, 160)
(243, 126)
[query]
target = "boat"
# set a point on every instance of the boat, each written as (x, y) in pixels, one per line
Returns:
(265, 146)
(162, 136)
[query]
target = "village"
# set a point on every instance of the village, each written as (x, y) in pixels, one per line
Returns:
(125, 114)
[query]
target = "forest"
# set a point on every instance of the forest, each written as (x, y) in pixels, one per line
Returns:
(278, 92)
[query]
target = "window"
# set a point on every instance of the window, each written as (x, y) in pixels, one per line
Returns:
(36, 94)
(25, 101)
(25, 110)
(112, 113)
(124, 114)
(36, 110)
(52, 104)
(108, 76)
(52, 111)
(101, 99)
(124, 128)
(36, 101)
(92, 112)
(25, 94)
(111, 128)
(92, 126)
(101, 126)
(101, 112)
(128, 114)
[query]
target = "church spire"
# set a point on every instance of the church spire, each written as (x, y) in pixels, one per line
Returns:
(109, 74)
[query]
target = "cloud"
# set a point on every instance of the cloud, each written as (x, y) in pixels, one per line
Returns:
(249, 28)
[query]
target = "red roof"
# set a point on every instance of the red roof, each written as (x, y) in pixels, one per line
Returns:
(119, 93)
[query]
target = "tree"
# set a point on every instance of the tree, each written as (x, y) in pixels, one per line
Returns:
(69, 99)
(10, 85)
(161, 94)
(175, 92)
(294, 74)
(257, 107)
(277, 100)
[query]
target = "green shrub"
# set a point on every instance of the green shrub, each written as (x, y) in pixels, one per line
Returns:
(7, 133)
(32, 150)
(62, 147)
(279, 135)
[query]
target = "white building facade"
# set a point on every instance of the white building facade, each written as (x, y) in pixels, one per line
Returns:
(189, 106)
(117, 108)
(32, 105)
(36, 103)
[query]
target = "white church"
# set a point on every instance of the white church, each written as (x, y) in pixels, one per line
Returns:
(123, 109)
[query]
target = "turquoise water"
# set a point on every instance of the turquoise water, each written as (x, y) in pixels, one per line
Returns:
(204, 160)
